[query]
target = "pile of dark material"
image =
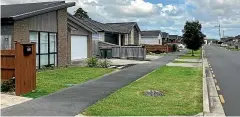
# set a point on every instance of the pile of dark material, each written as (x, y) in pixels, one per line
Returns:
(153, 93)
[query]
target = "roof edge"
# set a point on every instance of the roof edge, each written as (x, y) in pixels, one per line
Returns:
(75, 20)
(38, 12)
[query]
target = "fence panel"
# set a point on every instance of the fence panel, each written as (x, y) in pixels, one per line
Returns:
(7, 64)
(129, 52)
(158, 48)
(14, 63)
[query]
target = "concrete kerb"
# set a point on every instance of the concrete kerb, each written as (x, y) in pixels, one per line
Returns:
(206, 107)
(211, 102)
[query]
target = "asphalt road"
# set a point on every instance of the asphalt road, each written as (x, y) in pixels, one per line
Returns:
(71, 101)
(226, 67)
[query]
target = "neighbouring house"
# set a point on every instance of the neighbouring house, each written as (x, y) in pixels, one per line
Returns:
(173, 38)
(80, 36)
(130, 33)
(44, 23)
(151, 37)
(126, 33)
(180, 39)
(165, 37)
(231, 41)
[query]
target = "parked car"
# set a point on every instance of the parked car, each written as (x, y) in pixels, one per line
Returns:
(181, 46)
(224, 45)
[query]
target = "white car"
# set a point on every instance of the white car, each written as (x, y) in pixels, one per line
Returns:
(181, 46)
(224, 45)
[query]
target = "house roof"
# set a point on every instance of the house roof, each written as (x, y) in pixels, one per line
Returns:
(151, 33)
(164, 35)
(124, 27)
(98, 26)
(21, 11)
(80, 23)
(173, 37)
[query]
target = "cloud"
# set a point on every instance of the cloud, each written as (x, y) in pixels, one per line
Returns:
(166, 16)
(215, 12)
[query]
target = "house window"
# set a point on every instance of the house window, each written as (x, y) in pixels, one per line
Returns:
(46, 48)
(6, 42)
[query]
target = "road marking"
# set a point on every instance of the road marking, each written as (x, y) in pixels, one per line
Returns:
(217, 87)
(221, 99)
(215, 80)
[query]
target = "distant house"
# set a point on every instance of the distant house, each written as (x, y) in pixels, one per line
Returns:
(151, 37)
(231, 41)
(126, 33)
(173, 38)
(44, 23)
(165, 37)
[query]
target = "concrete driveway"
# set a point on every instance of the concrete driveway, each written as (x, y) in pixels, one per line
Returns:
(82, 62)
(10, 100)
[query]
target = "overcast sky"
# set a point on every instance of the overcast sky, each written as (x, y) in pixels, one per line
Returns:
(166, 15)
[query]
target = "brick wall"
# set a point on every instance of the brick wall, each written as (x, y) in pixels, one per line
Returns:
(21, 31)
(63, 48)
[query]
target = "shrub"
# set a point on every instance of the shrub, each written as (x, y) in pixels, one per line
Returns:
(8, 86)
(92, 62)
(104, 63)
(174, 47)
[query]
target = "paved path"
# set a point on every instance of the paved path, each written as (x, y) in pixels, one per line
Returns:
(10, 100)
(73, 100)
(226, 67)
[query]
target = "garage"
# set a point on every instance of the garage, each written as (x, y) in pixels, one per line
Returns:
(78, 47)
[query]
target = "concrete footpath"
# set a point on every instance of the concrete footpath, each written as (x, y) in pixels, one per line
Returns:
(73, 100)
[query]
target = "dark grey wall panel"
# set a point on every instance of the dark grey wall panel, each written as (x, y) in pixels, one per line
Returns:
(45, 22)
(7, 30)
(111, 38)
(77, 30)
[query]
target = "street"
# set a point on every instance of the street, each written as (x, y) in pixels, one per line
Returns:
(226, 67)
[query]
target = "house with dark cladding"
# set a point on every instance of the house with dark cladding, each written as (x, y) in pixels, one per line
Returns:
(173, 38)
(126, 33)
(165, 37)
(48, 24)
(151, 37)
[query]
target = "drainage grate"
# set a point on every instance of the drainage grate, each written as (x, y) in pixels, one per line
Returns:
(153, 93)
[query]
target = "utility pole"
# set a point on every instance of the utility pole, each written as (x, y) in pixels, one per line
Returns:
(223, 34)
(219, 30)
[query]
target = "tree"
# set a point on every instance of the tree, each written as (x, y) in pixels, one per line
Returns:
(80, 13)
(193, 37)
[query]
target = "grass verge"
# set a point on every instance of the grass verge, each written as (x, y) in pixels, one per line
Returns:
(53, 80)
(182, 88)
(184, 62)
(197, 55)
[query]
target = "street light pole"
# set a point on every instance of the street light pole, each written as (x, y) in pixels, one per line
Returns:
(219, 30)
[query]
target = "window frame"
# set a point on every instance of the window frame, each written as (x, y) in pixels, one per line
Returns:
(48, 53)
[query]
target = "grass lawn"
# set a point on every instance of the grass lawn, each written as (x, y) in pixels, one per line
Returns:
(197, 55)
(184, 62)
(182, 88)
(54, 80)
(233, 49)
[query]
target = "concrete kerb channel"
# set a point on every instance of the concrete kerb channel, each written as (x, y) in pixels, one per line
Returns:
(212, 105)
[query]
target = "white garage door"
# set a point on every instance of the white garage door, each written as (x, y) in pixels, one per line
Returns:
(78, 47)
